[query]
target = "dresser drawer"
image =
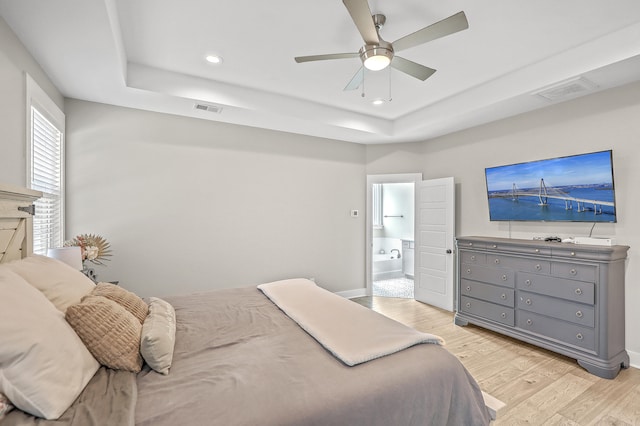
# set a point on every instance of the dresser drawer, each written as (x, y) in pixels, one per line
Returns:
(472, 244)
(487, 310)
(565, 332)
(515, 248)
(498, 276)
(558, 308)
(574, 271)
(576, 291)
(520, 264)
(490, 293)
(472, 257)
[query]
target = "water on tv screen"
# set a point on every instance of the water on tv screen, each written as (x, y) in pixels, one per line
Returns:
(577, 188)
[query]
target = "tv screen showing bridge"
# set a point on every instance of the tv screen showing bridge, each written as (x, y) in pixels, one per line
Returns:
(562, 189)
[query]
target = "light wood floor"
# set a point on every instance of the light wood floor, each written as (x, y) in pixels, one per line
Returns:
(539, 387)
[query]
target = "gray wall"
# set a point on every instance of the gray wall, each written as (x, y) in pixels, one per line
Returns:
(606, 120)
(193, 205)
(14, 62)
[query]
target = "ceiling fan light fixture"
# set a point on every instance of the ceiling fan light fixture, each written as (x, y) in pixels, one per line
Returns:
(376, 57)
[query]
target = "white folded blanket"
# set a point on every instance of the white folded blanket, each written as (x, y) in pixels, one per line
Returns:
(351, 332)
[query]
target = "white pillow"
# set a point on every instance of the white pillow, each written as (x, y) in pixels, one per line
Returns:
(43, 364)
(159, 335)
(60, 283)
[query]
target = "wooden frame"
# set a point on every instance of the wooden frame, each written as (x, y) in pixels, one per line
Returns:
(16, 225)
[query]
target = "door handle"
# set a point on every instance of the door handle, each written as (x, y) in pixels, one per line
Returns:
(449, 251)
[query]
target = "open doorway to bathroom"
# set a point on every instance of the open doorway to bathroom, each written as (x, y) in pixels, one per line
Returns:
(391, 235)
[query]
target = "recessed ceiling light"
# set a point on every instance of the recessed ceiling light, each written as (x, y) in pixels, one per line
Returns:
(377, 102)
(214, 59)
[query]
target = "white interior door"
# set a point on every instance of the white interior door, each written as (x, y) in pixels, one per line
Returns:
(434, 242)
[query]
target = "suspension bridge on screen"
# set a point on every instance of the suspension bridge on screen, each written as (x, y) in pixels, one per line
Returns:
(544, 193)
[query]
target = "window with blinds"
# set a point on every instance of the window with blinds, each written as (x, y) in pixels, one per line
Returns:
(377, 205)
(45, 168)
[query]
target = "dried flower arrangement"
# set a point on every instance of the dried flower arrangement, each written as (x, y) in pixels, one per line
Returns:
(95, 248)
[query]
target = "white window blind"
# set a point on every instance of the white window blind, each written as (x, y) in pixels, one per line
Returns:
(377, 205)
(45, 164)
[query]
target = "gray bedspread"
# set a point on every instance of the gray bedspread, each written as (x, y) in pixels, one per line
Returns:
(239, 360)
(108, 399)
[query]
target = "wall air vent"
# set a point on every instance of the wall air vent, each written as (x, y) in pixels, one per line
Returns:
(211, 108)
(568, 89)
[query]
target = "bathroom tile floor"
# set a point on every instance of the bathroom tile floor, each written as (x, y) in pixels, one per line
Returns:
(397, 287)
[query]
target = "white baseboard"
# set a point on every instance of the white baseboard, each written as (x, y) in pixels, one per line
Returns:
(350, 294)
(634, 359)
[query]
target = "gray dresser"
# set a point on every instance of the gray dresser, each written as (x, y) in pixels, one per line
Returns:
(567, 298)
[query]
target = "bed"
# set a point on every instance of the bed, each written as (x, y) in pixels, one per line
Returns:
(241, 356)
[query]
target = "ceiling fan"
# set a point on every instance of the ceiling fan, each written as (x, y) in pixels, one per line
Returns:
(377, 54)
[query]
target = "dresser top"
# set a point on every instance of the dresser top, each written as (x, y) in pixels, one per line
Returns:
(544, 248)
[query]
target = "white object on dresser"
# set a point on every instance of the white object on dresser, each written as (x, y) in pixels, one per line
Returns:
(563, 297)
(593, 241)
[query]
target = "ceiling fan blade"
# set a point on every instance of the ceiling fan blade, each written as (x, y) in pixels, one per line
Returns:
(450, 25)
(361, 15)
(300, 59)
(413, 69)
(356, 81)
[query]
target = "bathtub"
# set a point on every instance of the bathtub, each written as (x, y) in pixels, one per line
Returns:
(386, 267)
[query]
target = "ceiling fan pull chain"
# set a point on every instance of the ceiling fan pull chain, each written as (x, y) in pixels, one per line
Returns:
(364, 75)
(389, 74)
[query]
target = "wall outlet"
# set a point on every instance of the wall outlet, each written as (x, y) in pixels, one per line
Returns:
(355, 213)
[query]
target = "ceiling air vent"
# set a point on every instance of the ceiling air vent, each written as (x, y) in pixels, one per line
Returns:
(567, 89)
(211, 108)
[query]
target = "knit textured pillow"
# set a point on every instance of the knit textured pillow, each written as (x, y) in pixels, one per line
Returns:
(130, 301)
(5, 405)
(109, 331)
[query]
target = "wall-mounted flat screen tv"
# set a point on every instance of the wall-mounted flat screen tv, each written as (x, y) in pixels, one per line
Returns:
(577, 188)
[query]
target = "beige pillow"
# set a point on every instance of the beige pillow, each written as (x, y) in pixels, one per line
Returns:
(60, 283)
(109, 331)
(159, 335)
(43, 364)
(130, 301)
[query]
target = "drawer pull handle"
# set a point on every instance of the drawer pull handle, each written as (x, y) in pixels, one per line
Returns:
(579, 336)
(528, 302)
(538, 267)
(468, 288)
(473, 258)
(578, 291)
(497, 261)
(503, 315)
(573, 272)
(504, 278)
(529, 322)
(469, 271)
(503, 296)
(573, 253)
(537, 250)
(470, 244)
(494, 246)
(468, 305)
(579, 314)
(528, 282)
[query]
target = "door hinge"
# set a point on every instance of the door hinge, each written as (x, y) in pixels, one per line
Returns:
(28, 209)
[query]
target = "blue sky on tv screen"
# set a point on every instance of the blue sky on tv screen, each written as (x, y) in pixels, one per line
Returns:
(584, 169)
